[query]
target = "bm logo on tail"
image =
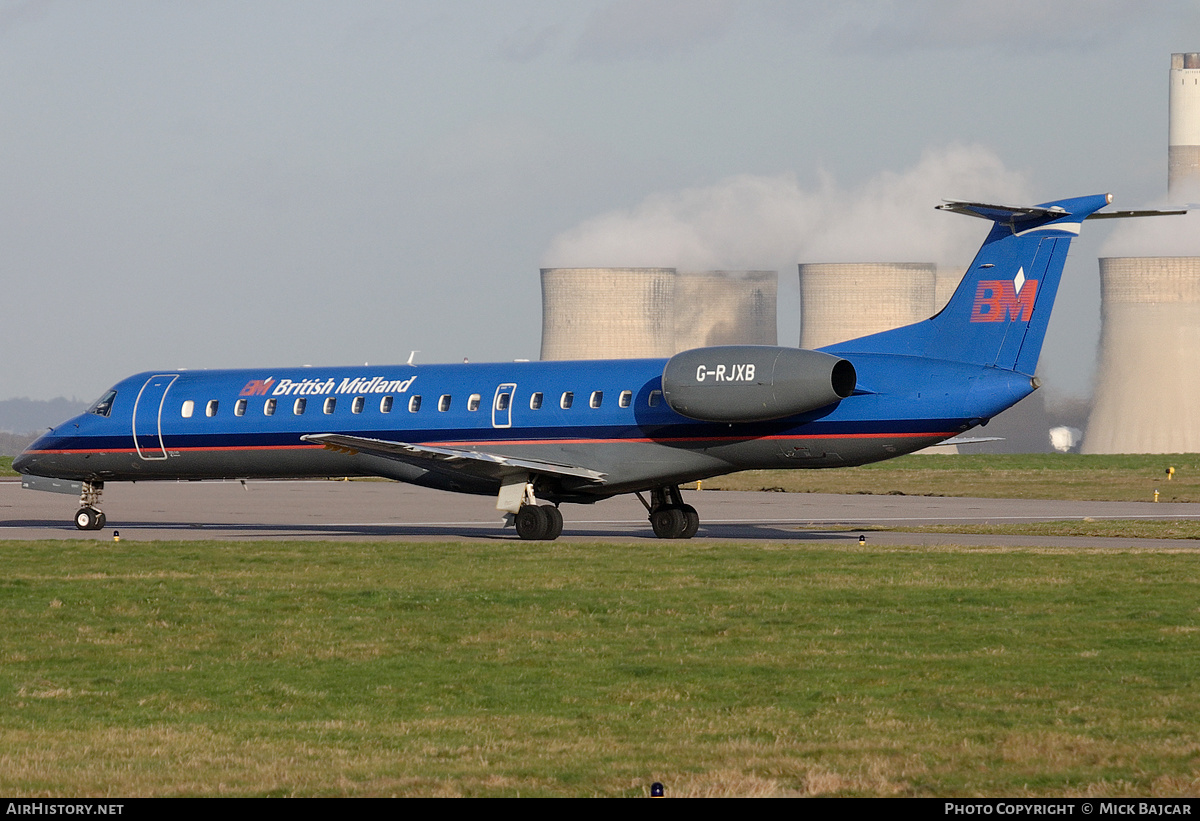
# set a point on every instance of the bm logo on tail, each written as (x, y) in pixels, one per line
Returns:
(999, 300)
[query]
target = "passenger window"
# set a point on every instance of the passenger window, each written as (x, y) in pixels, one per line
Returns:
(103, 406)
(239, 409)
(502, 401)
(414, 404)
(535, 401)
(626, 399)
(188, 407)
(567, 398)
(385, 404)
(655, 398)
(330, 404)
(597, 398)
(269, 407)
(473, 402)
(298, 408)
(211, 408)
(358, 405)
(444, 402)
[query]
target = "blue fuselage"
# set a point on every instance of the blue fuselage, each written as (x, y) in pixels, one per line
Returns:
(606, 415)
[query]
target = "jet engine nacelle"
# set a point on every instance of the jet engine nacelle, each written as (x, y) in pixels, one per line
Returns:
(754, 383)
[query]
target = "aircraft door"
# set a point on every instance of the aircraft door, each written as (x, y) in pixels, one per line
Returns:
(502, 405)
(147, 416)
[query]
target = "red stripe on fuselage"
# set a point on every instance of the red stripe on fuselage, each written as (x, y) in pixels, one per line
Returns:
(507, 442)
(180, 450)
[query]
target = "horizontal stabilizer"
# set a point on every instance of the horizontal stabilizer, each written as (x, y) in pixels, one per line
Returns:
(1010, 214)
(475, 463)
(1002, 213)
(1112, 215)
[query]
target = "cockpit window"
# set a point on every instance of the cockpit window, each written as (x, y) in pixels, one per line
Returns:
(103, 406)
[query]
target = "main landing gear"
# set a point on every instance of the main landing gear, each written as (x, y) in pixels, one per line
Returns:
(670, 518)
(534, 522)
(89, 516)
(539, 522)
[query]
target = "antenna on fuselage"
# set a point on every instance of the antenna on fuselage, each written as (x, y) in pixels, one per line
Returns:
(412, 356)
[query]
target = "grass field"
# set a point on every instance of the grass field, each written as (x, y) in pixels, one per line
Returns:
(590, 669)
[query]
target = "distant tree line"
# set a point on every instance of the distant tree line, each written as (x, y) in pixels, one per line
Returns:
(13, 443)
(21, 420)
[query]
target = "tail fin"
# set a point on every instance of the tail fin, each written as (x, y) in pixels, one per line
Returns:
(999, 312)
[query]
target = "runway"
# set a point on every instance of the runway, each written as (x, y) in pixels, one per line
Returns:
(377, 510)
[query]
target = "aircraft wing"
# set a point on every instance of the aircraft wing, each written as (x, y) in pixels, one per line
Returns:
(970, 440)
(475, 463)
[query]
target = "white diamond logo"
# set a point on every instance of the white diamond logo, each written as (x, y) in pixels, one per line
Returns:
(1019, 281)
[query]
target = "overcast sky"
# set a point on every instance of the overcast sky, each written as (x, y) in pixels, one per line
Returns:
(237, 184)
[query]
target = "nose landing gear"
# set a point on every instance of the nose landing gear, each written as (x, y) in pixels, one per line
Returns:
(89, 516)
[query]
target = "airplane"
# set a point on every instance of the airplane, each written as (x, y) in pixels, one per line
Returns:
(539, 434)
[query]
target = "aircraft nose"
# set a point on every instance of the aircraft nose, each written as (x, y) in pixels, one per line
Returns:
(22, 462)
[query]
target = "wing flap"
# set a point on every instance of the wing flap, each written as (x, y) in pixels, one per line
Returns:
(476, 463)
(969, 440)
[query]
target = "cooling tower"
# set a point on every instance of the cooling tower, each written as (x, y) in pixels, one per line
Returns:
(1148, 381)
(1183, 140)
(725, 308)
(607, 313)
(840, 301)
(947, 283)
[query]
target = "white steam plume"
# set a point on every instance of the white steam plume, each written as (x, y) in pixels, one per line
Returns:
(761, 222)
(1175, 236)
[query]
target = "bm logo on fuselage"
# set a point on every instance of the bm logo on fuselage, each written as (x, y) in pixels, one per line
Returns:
(257, 387)
(1000, 300)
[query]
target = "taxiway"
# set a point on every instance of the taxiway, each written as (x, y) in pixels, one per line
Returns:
(377, 510)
